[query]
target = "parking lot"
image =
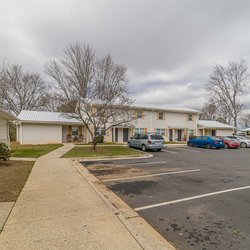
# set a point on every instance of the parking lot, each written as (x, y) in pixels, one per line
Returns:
(196, 198)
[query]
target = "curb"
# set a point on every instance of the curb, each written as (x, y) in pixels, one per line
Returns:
(142, 232)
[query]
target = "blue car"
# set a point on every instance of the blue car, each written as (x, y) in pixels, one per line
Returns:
(206, 142)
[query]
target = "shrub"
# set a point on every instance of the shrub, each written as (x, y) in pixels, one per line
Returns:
(4, 151)
(100, 139)
(192, 137)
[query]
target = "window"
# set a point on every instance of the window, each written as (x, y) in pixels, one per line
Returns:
(156, 137)
(160, 131)
(139, 114)
(160, 115)
(190, 117)
(140, 130)
(100, 131)
(192, 132)
(75, 130)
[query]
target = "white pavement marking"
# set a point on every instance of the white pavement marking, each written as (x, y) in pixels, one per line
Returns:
(190, 198)
(172, 152)
(187, 149)
(142, 163)
(151, 175)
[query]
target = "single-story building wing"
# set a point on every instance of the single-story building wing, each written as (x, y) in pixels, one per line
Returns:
(40, 127)
(5, 119)
(214, 128)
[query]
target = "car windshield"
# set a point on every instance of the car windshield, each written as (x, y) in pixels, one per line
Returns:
(156, 137)
(216, 138)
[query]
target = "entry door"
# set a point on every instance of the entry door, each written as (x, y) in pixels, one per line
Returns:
(179, 134)
(213, 132)
(170, 134)
(125, 134)
(116, 134)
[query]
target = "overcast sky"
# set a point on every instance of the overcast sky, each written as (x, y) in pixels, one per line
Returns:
(169, 47)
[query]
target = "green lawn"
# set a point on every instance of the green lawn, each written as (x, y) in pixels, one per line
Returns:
(102, 151)
(99, 144)
(33, 151)
(175, 142)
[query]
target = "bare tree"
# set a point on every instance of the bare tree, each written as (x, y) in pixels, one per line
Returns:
(215, 111)
(95, 89)
(20, 90)
(245, 120)
(226, 85)
(51, 102)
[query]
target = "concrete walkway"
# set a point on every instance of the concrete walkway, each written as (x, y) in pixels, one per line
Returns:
(59, 209)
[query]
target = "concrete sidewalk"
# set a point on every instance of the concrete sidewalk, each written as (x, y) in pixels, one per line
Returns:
(59, 209)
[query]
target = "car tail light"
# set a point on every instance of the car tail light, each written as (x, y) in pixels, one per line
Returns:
(149, 141)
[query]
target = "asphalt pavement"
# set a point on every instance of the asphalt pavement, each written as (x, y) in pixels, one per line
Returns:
(196, 198)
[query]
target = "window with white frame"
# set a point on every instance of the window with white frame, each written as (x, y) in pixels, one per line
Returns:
(139, 114)
(160, 115)
(100, 131)
(190, 117)
(75, 130)
(161, 131)
(192, 132)
(140, 130)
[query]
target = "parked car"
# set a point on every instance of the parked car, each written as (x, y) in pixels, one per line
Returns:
(206, 142)
(230, 143)
(147, 141)
(244, 142)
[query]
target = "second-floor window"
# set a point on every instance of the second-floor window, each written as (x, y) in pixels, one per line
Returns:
(190, 117)
(139, 114)
(160, 115)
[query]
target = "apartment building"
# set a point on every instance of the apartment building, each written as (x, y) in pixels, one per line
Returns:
(175, 124)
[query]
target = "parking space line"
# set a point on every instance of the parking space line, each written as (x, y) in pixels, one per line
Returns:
(151, 175)
(187, 149)
(171, 152)
(190, 198)
(143, 163)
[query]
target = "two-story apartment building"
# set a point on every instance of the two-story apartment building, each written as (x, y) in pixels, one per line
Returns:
(175, 124)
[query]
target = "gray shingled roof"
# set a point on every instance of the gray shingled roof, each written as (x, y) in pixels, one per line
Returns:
(46, 117)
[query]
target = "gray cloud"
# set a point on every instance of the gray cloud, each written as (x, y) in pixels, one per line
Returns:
(168, 46)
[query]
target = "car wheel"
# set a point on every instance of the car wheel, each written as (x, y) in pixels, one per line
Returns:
(129, 144)
(190, 144)
(226, 146)
(243, 145)
(144, 148)
(208, 146)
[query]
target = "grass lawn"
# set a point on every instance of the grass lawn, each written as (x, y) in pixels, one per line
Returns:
(33, 151)
(175, 142)
(102, 151)
(13, 175)
(100, 144)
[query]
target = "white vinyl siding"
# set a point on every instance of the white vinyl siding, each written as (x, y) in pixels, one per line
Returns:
(3, 131)
(40, 134)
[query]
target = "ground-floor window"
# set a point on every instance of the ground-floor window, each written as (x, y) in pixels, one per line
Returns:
(161, 131)
(140, 130)
(192, 132)
(75, 131)
(100, 131)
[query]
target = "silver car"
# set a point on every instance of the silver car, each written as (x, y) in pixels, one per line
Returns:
(244, 142)
(147, 141)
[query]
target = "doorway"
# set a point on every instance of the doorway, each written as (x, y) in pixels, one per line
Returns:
(179, 132)
(125, 134)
